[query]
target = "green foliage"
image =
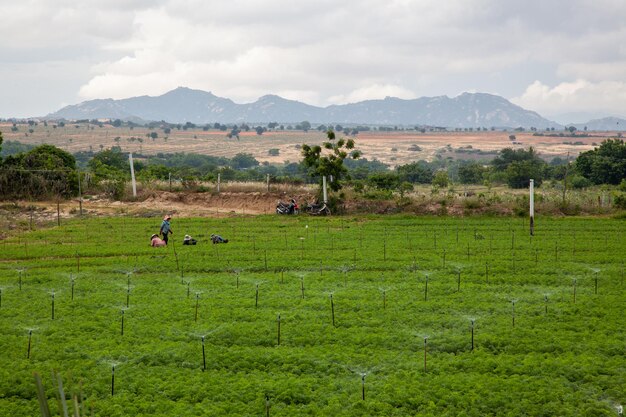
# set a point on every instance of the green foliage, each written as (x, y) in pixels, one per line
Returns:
(605, 164)
(520, 166)
(440, 179)
(330, 163)
(243, 161)
(471, 173)
(12, 147)
(416, 173)
(566, 361)
(43, 171)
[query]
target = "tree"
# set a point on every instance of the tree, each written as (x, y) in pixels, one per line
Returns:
(243, 161)
(154, 135)
(605, 164)
(441, 179)
(305, 126)
(330, 163)
(259, 130)
(416, 173)
(471, 173)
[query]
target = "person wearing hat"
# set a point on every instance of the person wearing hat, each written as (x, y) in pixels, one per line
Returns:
(188, 240)
(156, 241)
(166, 229)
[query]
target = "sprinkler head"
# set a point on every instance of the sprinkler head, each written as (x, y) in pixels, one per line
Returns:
(620, 411)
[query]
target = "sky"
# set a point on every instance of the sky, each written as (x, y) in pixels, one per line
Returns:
(565, 59)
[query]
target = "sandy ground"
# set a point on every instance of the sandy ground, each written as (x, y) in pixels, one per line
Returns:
(393, 148)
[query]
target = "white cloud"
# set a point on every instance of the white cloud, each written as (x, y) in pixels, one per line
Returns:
(318, 51)
(578, 96)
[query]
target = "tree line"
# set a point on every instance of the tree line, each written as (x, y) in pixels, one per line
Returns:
(43, 171)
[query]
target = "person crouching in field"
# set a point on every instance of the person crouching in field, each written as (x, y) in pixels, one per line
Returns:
(156, 241)
(166, 229)
(218, 239)
(188, 240)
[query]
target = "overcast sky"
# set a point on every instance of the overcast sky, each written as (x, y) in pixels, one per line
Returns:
(557, 57)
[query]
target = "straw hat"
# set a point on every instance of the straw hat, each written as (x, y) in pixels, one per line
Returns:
(187, 237)
(167, 217)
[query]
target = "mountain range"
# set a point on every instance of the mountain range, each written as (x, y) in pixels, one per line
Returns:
(200, 107)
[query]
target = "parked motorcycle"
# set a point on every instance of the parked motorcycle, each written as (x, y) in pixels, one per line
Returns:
(318, 209)
(287, 208)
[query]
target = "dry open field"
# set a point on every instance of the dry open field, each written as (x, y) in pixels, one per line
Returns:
(393, 148)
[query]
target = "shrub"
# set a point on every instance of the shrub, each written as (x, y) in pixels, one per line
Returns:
(619, 200)
(579, 182)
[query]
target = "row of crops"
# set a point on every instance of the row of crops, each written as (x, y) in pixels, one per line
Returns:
(317, 316)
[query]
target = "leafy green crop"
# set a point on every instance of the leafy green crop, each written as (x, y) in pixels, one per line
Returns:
(547, 311)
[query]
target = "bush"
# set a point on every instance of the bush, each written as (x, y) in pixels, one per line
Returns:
(579, 182)
(619, 200)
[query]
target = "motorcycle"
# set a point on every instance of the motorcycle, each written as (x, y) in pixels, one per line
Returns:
(316, 209)
(287, 208)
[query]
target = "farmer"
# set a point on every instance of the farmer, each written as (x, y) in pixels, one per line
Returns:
(218, 239)
(156, 241)
(188, 240)
(166, 229)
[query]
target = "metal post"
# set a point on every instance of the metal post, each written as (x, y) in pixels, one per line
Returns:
(268, 183)
(532, 207)
(219, 180)
(132, 174)
(324, 189)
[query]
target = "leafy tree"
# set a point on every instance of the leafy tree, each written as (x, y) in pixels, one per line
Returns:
(605, 164)
(305, 125)
(243, 161)
(416, 173)
(471, 173)
(259, 130)
(441, 179)
(384, 181)
(330, 163)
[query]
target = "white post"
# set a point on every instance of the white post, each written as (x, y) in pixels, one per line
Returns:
(132, 174)
(532, 207)
(219, 179)
(268, 183)
(324, 189)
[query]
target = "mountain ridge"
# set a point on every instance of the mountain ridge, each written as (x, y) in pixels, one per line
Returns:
(200, 107)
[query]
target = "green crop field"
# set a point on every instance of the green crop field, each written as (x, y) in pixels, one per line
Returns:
(353, 316)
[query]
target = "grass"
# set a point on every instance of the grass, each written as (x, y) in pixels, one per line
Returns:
(568, 361)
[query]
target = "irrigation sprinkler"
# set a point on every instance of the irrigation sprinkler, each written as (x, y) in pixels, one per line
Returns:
(122, 330)
(363, 386)
(425, 350)
(112, 380)
(426, 289)
(52, 295)
(20, 278)
(384, 299)
(72, 279)
(595, 280)
(256, 297)
(30, 336)
(188, 289)
(468, 251)
(444, 258)
(472, 321)
(195, 317)
(302, 287)
(278, 325)
(574, 290)
(620, 411)
(458, 280)
(203, 356)
(267, 405)
(513, 312)
(127, 297)
(321, 268)
(332, 308)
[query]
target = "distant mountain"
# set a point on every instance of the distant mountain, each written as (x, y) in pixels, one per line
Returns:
(606, 123)
(186, 105)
